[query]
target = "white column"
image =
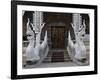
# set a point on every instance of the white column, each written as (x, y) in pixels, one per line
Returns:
(77, 21)
(37, 21)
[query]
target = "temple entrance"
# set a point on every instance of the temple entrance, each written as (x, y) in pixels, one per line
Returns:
(56, 36)
(57, 26)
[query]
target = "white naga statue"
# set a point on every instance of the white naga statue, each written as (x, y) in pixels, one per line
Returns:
(77, 49)
(35, 49)
(31, 38)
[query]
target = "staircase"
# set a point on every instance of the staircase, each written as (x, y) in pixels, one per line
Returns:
(48, 59)
(53, 57)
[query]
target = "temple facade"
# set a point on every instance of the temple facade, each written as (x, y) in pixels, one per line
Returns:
(58, 27)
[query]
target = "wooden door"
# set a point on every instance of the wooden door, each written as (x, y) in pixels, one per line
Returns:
(57, 37)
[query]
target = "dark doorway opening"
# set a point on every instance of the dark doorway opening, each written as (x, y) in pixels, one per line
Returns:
(56, 37)
(57, 26)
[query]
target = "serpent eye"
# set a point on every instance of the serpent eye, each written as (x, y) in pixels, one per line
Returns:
(83, 35)
(74, 41)
(29, 35)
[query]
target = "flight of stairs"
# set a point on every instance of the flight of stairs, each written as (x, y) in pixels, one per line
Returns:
(48, 59)
(64, 58)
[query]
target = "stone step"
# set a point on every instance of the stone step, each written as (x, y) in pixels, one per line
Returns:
(66, 57)
(48, 58)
